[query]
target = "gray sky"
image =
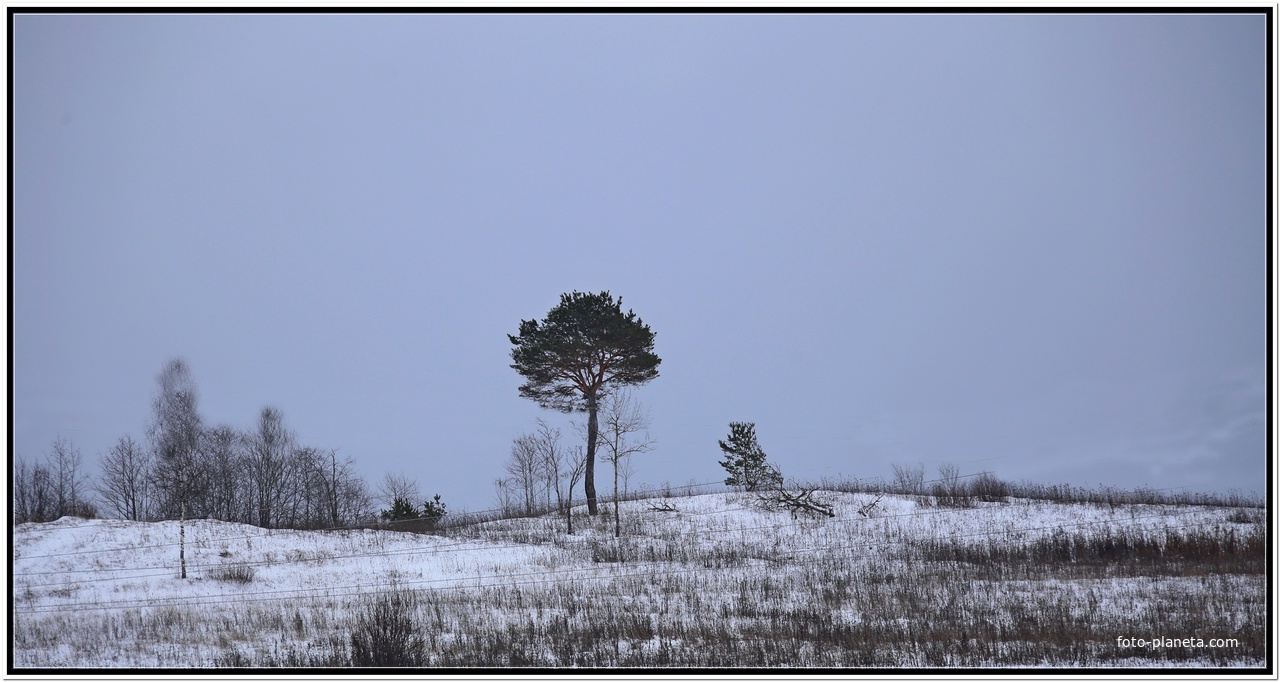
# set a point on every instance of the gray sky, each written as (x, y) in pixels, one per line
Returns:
(1030, 244)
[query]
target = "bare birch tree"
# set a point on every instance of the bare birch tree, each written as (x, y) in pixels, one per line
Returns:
(621, 425)
(175, 438)
(575, 466)
(550, 455)
(524, 470)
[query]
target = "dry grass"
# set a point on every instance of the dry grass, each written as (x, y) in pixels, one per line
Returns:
(691, 591)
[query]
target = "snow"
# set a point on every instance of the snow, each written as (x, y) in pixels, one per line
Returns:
(75, 570)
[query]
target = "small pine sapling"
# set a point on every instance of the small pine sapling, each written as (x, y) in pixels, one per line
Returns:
(433, 510)
(401, 509)
(746, 462)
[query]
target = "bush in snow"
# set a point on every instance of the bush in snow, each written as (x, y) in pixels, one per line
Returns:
(988, 488)
(386, 634)
(235, 573)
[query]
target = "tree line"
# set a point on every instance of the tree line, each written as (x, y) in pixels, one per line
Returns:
(584, 356)
(186, 469)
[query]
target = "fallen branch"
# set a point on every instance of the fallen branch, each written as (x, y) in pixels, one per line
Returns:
(797, 503)
(866, 509)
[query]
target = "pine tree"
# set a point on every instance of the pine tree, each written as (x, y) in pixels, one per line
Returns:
(401, 509)
(585, 347)
(745, 460)
(434, 510)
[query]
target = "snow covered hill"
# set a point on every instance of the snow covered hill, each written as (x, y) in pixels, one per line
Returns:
(704, 581)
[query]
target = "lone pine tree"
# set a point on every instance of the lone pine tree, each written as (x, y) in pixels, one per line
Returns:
(585, 346)
(745, 461)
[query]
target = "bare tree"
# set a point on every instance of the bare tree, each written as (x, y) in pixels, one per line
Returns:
(175, 438)
(268, 465)
(398, 486)
(328, 493)
(575, 466)
(950, 490)
(174, 434)
(355, 503)
(33, 495)
(300, 502)
(48, 490)
(550, 462)
(125, 480)
(621, 423)
(223, 461)
(504, 494)
(561, 469)
(69, 480)
(303, 503)
(524, 470)
(342, 496)
(908, 479)
(22, 492)
(626, 470)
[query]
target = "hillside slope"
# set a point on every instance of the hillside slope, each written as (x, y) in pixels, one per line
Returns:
(716, 581)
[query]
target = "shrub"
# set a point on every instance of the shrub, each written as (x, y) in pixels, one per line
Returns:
(949, 490)
(908, 480)
(609, 552)
(385, 633)
(235, 573)
(988, 488)
(1244, 516)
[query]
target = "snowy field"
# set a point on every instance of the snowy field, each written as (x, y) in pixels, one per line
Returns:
(709, 581)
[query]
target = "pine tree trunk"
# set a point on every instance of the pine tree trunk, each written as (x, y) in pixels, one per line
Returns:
(589, 476)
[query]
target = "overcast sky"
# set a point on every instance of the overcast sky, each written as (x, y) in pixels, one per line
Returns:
(1032, 244)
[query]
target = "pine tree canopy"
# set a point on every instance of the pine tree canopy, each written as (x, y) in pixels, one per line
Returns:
(585, 344)
(745, 461)
(400, 510)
